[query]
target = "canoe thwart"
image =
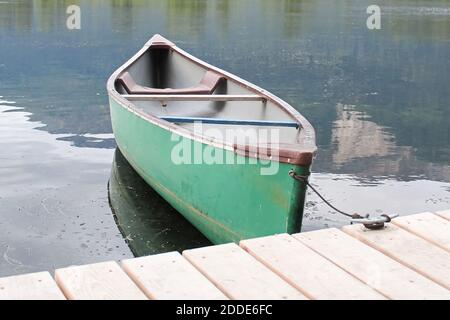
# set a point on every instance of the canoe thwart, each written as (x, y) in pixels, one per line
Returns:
(194, 97)
(290, 124)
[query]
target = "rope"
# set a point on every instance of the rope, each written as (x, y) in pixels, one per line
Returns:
(304, 179)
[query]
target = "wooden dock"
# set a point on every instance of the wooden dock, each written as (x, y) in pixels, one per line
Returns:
(408, 259)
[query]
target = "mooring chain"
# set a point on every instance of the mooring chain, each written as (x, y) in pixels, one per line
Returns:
(369, 223)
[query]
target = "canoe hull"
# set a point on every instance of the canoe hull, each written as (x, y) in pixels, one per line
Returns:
(225, 202)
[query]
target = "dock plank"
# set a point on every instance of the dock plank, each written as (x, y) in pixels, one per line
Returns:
(444, 214)
(405, 247)
(32, 286)
(306, 270)
(99, 281)
(427, 225)
(238, 274)
(384, 274)
(170, 276)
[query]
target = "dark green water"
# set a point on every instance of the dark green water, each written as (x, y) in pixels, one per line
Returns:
(379, 101)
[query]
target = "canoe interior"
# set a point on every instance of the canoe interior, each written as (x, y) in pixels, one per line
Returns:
(165, 68)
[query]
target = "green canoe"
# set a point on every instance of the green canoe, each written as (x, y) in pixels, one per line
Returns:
(218, 148)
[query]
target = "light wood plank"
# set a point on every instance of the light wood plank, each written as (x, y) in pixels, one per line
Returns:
(427, 225)
(238, 274)
(403, 246)
(100, 281)
(444, 214)
(193, 97)
(306, 270)
(170, 276)
(386, 275)
(33, 286)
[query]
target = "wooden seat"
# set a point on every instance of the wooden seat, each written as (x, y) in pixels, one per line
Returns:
(207, 85)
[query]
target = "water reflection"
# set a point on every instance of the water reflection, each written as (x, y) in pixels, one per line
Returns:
(148, 223)
(186, 17)
(360, 146)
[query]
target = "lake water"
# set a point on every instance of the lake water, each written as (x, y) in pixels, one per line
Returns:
(379, 100)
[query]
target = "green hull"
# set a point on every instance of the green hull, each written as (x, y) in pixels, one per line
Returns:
(226, 203)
